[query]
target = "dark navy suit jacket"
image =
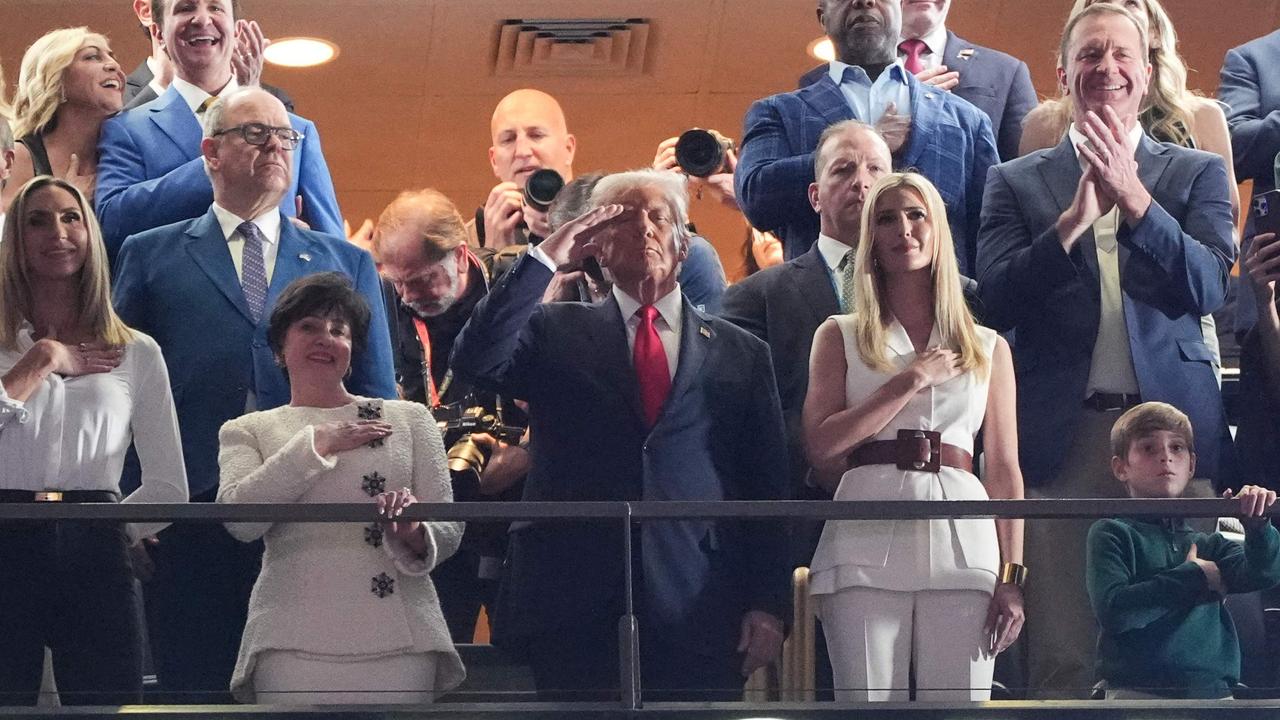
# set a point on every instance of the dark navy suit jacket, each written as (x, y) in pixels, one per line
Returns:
(951, 144)
(719, 437)
(150, 173)
(178, 284)
(1174, 270)
(998, 84)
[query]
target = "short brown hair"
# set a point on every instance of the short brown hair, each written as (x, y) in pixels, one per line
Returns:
(1142, 420)
(820, 156)
(434, 215)
(1099, 9)
(320, 294)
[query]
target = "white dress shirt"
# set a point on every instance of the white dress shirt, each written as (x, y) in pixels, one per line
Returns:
(155, 77)
(669, 322)
(935, 47)
(833, 253)
(268, 224)
(194, 97)
(73, 432)
(867, 99)
(1111, 370)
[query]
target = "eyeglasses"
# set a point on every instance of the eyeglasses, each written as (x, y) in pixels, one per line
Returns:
(257, 134)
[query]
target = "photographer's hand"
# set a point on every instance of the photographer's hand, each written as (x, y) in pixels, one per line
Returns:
(507, 464)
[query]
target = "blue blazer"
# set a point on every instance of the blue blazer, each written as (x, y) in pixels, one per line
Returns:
(151, 173)
(1174, 270)
(720, 436)
(178, 284)
(951, 144)
(998, 84)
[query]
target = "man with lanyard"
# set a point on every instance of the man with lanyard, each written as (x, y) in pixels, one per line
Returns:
(435, 281)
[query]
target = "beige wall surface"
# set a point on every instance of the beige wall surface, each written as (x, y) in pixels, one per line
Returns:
(407, 102)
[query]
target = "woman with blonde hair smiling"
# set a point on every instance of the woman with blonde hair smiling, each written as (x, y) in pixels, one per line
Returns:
(77, 386)
(68, 85)
(898, 390)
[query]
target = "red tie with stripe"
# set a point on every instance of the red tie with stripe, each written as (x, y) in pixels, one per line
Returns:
(650, 360)
(913, 49)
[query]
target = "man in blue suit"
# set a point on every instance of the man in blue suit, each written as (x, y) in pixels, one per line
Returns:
(150, 172)
(945, 138)
(1104, 273)
(641, 396)
(204, 289)
(998, 84)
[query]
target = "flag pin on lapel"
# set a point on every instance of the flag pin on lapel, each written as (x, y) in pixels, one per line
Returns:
(705, 331)
(304, 257)
(966, 53)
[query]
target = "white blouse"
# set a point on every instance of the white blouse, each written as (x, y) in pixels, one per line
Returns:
(73, 432)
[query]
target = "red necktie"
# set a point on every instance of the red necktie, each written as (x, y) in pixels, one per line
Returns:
(650, 361)
(913, 49)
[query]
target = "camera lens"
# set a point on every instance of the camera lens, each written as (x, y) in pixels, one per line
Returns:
(699, 153)
(541, 188)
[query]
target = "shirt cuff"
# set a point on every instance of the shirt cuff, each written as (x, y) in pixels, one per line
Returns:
(537, 253)
(11, 409)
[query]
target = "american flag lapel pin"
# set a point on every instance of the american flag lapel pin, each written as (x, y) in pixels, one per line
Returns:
(304, 257)
(705, 331)
(966, 53)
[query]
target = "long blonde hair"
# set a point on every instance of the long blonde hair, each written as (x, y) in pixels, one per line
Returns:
(40, 87)
(956, 327)
(1168, 110)
(16, 296)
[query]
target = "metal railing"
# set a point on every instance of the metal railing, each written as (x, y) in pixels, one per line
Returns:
(627, 514)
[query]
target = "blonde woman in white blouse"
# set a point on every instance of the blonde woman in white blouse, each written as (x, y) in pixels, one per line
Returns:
(341, 613)
(76, 387)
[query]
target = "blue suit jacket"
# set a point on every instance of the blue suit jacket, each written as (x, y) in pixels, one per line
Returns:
(1253, 114)
(998, 84)
(720, 436)
(178, 284)
(950, 143)
(1174, 270)
(150, 173)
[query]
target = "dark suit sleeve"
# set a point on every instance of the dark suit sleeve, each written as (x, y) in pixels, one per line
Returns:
(1255, 131)
(127, 202)
(319, 200)
(373, 373)
(497, 350)
(1017, 270)
(1022, 98)
(772, 181)
(1195, 256)
(744, 305)
(766, 476)
(129, 289)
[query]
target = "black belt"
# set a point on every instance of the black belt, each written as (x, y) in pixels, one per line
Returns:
(1106, 402)
(53, 496)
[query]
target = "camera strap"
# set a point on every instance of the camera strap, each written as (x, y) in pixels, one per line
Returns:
(433, 394)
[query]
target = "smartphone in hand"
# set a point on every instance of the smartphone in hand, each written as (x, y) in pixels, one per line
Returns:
(1266, 212)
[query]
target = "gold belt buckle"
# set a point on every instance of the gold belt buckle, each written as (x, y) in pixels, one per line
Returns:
(45, 497)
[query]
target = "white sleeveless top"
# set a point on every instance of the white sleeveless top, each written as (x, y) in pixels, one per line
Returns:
(911, 555)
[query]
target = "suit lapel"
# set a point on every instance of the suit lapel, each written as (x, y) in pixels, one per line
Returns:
(1152, 161)
(951, 53)
(695, 338)
(176, 120)
(924, 111)
(1060, 171)
(813, 283)
(609, 340)
(208, 248)
(827, 100)
(293, 259)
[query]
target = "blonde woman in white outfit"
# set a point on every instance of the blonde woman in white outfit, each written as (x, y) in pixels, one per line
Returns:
(342, 613)
(898, 389)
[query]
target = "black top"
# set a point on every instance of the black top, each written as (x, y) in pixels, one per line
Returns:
(39, 156)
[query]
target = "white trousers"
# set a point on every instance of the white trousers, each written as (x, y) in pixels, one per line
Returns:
(283, 677)
(874, 635)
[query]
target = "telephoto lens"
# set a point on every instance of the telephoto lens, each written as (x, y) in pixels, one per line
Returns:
(541, 188)
(701, 153)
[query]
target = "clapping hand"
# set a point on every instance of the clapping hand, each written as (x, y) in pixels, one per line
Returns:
(246, 59)
(1114, 166)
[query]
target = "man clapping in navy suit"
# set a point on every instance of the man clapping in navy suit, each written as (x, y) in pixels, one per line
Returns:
(639, 397)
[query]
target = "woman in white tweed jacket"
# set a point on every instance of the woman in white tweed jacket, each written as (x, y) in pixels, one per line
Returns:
(341, 613)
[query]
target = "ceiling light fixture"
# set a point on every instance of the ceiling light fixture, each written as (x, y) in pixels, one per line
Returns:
(300, 52)
(822, 49)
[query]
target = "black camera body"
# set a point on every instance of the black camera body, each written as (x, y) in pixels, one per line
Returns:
(702, 153)
(541, 189)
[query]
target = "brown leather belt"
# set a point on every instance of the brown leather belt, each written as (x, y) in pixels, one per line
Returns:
(920, 450)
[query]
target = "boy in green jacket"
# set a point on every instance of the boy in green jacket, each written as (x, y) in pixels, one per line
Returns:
(1157, 585)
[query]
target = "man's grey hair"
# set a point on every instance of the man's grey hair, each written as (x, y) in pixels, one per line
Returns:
(671, 184)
